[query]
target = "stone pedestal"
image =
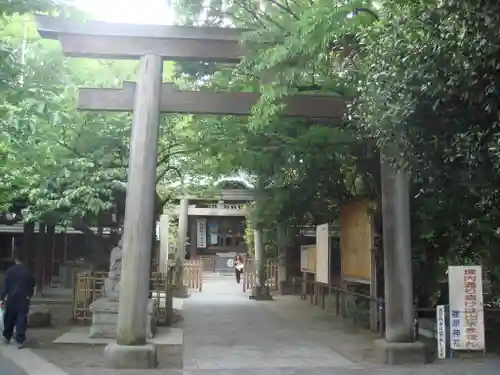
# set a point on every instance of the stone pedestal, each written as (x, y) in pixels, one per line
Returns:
(105, 318)
(399, 353)
(261, 293)
(130, 357)
(180, 291)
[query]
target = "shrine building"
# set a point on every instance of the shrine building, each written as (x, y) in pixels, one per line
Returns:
(216, 222)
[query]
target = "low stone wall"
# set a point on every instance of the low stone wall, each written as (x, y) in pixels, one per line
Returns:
(40, 316)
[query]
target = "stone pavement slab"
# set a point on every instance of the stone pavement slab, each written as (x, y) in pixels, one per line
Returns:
(226, 333)
(81, 336)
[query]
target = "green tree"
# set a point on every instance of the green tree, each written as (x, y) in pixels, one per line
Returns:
(69, 165)
(427, 70)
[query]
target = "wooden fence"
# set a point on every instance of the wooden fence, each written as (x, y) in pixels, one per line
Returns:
(193, 274)
(249, 278)
(88, 286)
(362, 309)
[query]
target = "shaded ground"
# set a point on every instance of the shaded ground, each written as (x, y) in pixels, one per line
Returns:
(87, 359)
(36, 337)
(226, 333)
(61, 322)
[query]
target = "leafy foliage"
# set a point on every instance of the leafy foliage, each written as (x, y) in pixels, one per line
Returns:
(64, 165)
(427, 71)
(423, 72)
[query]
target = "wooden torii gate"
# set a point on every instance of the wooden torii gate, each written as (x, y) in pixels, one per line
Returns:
(152, 44)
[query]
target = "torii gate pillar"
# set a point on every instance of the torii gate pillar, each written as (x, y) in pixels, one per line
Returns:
(398, 346)
(131, 349)
(180, 290)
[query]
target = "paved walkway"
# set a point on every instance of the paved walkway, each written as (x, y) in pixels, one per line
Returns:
(224, 330)
(226, 333)
(7, 367)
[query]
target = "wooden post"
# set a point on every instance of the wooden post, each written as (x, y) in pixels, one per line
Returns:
(140, 205)
(194, 240)
(40, 257)
(373, 278)
(26, 244)
(282, 257)
(373, 293)
(303, 286)
(164, 233)
(337, 302)
(49, 248)
(182, 228)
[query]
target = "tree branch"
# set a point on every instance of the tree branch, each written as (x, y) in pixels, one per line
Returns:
(257, 17)
(286, 8)
(169, 168)
(87, 156)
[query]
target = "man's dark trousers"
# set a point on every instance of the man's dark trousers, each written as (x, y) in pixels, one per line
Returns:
(16, 316)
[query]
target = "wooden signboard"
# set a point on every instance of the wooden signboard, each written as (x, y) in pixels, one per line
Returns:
(308, 258)
(356, 241)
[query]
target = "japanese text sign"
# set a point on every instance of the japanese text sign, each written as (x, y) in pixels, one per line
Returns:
(466, 308)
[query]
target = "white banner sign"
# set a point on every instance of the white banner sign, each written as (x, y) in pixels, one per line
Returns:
(303, 259)
(466, 307)
(441, 331)
(201, 225)
(323, 254)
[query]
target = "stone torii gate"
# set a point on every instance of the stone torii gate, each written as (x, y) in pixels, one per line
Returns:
(153, 44)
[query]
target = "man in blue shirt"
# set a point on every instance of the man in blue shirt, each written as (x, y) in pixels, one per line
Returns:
(18, 288)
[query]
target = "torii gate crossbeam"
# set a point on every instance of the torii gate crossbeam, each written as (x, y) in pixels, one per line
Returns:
(213, 103)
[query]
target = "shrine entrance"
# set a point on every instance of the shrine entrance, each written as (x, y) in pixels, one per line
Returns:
(146, 99)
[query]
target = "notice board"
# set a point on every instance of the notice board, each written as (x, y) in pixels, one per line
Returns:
(308, 258)
(356, 240)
